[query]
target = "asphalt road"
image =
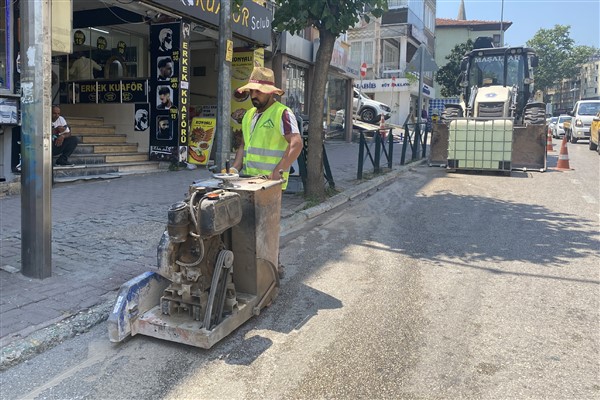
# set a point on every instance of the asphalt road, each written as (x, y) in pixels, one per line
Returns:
(440, 286)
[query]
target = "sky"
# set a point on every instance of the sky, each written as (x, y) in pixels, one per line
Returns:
(529, 16)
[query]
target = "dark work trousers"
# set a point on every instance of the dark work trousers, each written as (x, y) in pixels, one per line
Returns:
(66, 149)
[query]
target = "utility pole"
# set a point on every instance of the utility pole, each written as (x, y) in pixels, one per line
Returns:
(502, 25)
(36, 140)
(224, 86)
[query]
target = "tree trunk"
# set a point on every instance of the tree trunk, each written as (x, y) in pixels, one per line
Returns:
(315, 180)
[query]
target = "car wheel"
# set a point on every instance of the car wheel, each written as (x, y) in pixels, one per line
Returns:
(592, 145)
(573, 139)
(368, 115)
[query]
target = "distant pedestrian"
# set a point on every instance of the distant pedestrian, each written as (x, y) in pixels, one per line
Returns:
(63, 143)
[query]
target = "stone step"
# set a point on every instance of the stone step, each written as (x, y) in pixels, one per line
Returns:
(127, 157)
(97, 148)
(86, 121)
(90, 172)
(102, 139)
(101, 171)
(105, 158)
(92, 130)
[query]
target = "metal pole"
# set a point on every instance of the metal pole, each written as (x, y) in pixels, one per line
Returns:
(502, 25)
(36, 141)
(224, 86)
(421, 62)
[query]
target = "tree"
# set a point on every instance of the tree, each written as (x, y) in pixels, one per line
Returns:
(559, 58)
(331, 18)
(447, 76)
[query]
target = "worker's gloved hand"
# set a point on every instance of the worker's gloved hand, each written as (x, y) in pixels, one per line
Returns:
(231, 171)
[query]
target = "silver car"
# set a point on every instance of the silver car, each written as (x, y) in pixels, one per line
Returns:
(558, 129)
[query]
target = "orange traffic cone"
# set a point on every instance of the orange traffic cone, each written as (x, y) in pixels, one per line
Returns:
(382, 130)
(563, 156)
(549, 141)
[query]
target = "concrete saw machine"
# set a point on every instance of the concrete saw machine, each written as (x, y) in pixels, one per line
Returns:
(217, 265)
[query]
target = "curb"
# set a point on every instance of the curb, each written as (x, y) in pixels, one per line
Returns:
(46, 338)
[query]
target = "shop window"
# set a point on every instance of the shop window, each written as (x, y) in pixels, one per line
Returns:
(296, 89)
(335, 107)
(103, 53)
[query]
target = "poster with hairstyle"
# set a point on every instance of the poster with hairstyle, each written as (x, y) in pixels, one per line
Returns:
(141, 121)
(164, 115)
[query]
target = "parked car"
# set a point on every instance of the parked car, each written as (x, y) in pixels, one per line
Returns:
(558, 129)
(583, 114)
(551, 122)
(595, 133)
(370, 110)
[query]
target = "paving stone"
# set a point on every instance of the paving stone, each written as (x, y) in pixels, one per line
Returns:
(107, 235)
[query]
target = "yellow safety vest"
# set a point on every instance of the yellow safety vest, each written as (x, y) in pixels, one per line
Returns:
(264, 146)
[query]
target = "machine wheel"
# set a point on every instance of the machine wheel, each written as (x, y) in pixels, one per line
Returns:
(451, 112)
(367, 114)
(592, 145)
(535, 115)
(573, 139)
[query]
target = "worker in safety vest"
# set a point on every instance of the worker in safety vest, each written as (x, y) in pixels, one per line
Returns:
(271, 138)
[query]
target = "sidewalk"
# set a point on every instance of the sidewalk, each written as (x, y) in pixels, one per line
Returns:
(105, 233)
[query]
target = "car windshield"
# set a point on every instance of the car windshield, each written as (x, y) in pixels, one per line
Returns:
(553, 120)
(588, 108)
(488, 70)
(563, 118)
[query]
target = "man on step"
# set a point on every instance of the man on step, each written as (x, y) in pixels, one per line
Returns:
(63, 143)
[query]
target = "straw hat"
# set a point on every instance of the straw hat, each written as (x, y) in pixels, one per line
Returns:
(263, 80)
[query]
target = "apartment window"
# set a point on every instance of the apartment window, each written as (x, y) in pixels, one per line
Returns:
(390, 56)
(368, 52)
(361, 52)
(355, 52)
(397, 3)
(429, 18)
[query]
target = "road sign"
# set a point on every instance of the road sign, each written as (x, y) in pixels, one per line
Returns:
(363, 70)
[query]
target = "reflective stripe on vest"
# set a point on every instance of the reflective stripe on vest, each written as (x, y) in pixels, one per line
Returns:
(265, 146)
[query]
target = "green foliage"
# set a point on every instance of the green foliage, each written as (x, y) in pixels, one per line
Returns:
(448, 75)
(334, 16)
(559, 57)
(331, 18)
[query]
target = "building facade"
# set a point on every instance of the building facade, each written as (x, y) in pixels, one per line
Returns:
(386, 46)
(584, 87)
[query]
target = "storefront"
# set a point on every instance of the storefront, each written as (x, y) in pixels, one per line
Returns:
(171, 83)
(337, 110)
(123, 61)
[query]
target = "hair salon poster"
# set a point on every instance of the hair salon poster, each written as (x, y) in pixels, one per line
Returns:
(165, 85)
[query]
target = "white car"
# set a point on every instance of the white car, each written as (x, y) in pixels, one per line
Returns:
(583, 115)
(370, 110)
(558, 130)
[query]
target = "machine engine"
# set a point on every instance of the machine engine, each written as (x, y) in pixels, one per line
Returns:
(200, 292)
(194, 256)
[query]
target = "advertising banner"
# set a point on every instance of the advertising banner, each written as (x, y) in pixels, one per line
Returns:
(252, 21)
(117, 91)
(201, 140)
(164, 90)
(242, 65)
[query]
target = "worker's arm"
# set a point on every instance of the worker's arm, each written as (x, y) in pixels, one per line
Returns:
(239, 157)
(291, 154)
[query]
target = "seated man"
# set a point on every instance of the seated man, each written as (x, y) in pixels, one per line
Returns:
(63, 144)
